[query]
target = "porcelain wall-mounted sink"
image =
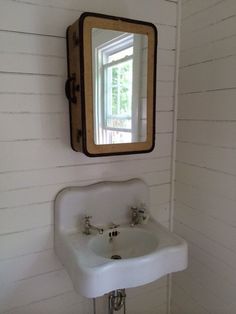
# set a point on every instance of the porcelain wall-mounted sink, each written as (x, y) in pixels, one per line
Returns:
(130, 242)
(100, 263)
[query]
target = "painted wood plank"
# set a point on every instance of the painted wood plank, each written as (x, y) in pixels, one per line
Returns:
(160, 212)
(68, 302)
(34, 289)
(56, 19)
(218, 105)
(165, 89)
(201, 294)
(164, 122)
(219, 252)
(210, 227)
(209, 203)
(213, 263)
(64, 175)
(215, 282)
(215, 133)
(23, 155)
(212, 33)
(209, 51)
(44, 126)
(165, 57)
(25, 63)
(181, 298)
(46, 192)
(217, 74)
(215, 13)
(32, 44)
(193, 7)
(218, 183)
(28, 266)
(27, 217)
(27, 242)
(166, 73)
(31, 84)
(163, 192)
(218, 159)
(28, 103)
(153, 299)
(145, 289)
(165, 12)
(164, 103)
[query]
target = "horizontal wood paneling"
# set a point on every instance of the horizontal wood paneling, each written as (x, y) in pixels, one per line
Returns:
(216, 12)
(27, 242)
(30, 265)
(211, 181)
(36, 160)
(183, 303)
(212, 228)
(68, 302)
(194, 7)
(219, 159)
(52, 126)
(215, 32)
(222, 48)
(212, 75)
(215, 133)
(205, 186)
(43, 191)
(207, 245)
(206, 202)
(217, 105)
(34, 289)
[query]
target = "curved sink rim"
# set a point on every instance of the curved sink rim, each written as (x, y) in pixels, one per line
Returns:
(128, 229)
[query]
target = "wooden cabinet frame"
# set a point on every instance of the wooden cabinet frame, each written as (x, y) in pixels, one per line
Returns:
(79, 85)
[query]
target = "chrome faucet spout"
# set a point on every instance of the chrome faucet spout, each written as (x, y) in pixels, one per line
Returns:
(88, 226)
(100, 230)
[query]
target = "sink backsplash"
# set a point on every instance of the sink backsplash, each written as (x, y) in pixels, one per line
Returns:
(106, 202)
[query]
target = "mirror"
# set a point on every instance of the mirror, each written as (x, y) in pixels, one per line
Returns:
(119, 86)
(111, 85)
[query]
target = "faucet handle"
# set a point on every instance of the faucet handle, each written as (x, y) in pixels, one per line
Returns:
(87, 218)
(144, 214)
(113, 225)
(134, 209)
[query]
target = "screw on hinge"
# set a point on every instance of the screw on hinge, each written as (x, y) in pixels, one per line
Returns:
(79, 135)
(75, 39)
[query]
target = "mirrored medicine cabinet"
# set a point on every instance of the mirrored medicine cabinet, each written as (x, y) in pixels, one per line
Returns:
(111, 85)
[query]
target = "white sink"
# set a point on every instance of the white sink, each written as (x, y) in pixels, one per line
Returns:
(131, 242)
(147, 252)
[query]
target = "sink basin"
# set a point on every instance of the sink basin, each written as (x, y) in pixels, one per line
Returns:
(129, 243)
(100, 263)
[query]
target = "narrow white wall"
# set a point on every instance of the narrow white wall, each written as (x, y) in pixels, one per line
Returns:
(205, 190)
(36, 160)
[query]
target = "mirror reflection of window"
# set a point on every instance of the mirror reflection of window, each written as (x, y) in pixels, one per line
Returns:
(117, 61)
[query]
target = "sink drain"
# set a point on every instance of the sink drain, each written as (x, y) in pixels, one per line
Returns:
(116, 257)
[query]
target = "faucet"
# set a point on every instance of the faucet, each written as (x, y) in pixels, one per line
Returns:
(134, 216)
(138, 215)
(88, 227)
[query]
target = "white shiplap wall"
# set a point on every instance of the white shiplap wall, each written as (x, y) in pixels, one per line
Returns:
(205, 189)
(36, 160)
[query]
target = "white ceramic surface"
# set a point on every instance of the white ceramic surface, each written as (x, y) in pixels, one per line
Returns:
(148, 251)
